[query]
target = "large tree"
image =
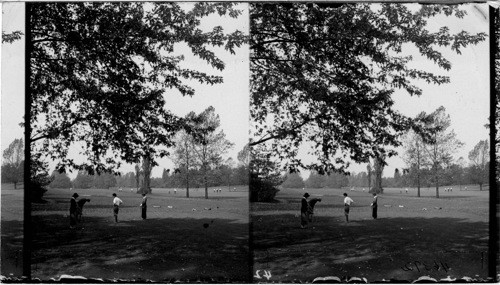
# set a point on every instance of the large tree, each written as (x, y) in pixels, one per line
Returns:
(439, 152)
(479, 158)
(323, 76)
(209, 143)
(13, 162)
(98, 73)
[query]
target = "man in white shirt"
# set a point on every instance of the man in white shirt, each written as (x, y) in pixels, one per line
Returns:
(116, 206)
(347, 205)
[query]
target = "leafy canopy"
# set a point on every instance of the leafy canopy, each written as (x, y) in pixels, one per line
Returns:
(323, 76)
(99, 72)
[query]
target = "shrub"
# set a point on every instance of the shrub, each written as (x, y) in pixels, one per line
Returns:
(262, 190)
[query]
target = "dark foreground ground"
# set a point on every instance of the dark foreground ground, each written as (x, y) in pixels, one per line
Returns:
(413, 237)
(11, 251)
(172, 243)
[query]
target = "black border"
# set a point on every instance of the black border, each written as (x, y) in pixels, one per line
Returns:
(494, 197)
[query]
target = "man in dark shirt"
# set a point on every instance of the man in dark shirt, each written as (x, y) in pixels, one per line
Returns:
(72, 211)
(303, 211)
(144, 206)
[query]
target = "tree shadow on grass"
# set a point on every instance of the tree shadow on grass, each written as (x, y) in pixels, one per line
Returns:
(155, 249)
(12, 248)
(389, 248)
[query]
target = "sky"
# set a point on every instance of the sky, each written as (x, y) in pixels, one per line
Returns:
(12, 76)
(230, 99)
(466, 97)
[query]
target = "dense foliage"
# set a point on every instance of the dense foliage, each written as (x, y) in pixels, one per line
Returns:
(99, 71)
(323, 76)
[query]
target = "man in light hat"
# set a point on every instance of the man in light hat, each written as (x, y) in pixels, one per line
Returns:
(72, 211)
(116, 206)
(304, 208)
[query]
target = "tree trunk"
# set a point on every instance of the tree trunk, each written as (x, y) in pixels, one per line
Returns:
(186, 144)
(187, 182)
(480, 186)
(205, 180)
(437, 182)
(146, 178)
(418, 182)
(15, 185)
(418, 169)
(378, 168)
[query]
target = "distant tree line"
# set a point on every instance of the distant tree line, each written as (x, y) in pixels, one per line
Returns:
(454, 174)
(222, 176)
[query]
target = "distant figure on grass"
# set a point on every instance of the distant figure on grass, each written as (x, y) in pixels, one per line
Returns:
(310, 212)
(73, 208)
(347, 205)
(304, 209)
(374, 205)
(144, 206)
(116, 206)
(79, 210)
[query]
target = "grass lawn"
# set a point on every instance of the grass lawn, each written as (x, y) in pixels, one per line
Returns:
(413, 237)
(172, 243)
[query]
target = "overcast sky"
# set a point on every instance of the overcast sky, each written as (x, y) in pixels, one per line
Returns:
(466, 97)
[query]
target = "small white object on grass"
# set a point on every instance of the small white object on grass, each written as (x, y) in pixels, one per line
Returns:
(194, 209)
(401, 206)
(156, 206)
(170, 207)
(424, 209)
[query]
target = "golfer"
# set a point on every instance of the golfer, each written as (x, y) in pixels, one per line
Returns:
(347, 205)
(374, 205)
(304, 208)
(116, 206)
(72, 211)
(144, 206)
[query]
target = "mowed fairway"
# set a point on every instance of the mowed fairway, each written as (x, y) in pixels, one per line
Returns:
(412, 237)
(172, 243)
